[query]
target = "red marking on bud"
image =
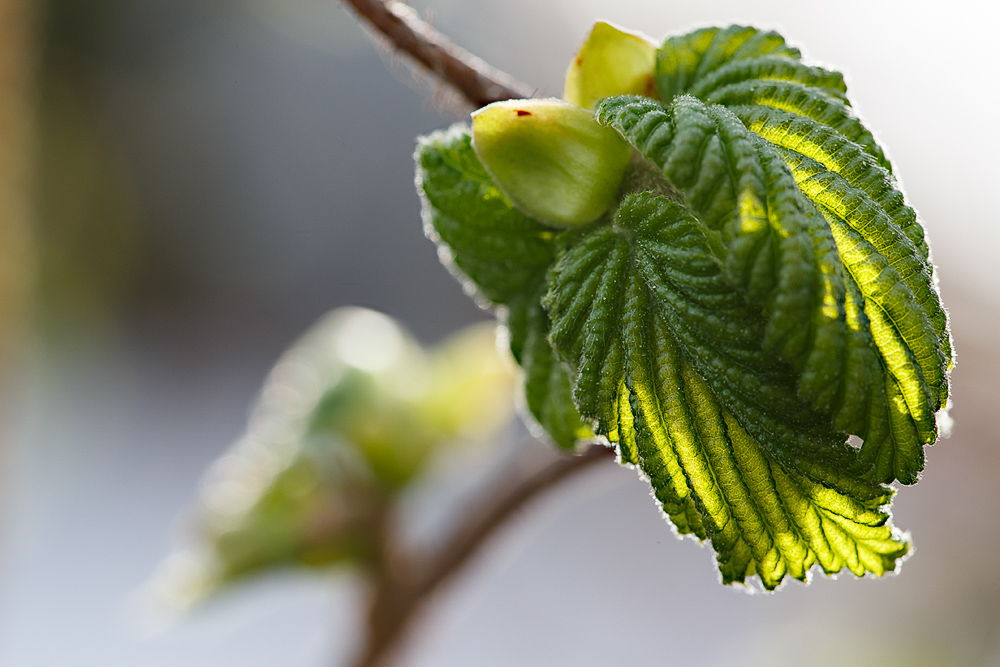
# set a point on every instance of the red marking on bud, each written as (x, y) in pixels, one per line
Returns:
(522, 112)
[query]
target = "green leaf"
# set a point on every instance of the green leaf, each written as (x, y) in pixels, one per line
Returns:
(502, 255)
(835, 309)
(668, 363)
(546, 378)
(493, 248)
(685, 60)
(804, 112)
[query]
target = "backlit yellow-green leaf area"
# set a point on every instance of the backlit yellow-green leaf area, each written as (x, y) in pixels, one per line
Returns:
(760, 292)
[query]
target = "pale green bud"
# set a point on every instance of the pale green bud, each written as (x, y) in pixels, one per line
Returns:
(611, 62)
(551, 158)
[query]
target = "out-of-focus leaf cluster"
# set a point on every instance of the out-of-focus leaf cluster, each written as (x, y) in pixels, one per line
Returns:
(349, 417)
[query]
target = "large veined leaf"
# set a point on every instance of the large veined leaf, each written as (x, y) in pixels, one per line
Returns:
(780, 250)
(804, 113)
(760, 291)
(632, 304)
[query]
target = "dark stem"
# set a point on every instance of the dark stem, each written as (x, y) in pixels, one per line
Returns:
(478, 82)
(402, 584)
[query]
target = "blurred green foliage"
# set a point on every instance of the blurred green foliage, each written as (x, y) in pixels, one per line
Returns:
(349, 418)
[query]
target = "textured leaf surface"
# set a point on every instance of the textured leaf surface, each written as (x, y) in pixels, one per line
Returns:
(661, 343)
(804, 112)
(502, 254)
(836, 309)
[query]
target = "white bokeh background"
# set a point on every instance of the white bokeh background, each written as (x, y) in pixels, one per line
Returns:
(271, 147)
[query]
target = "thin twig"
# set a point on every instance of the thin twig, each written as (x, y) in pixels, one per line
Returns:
(402, 586)
(478, 82)
(479, 527)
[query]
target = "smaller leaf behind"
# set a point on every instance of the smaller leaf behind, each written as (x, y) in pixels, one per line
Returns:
(686, 59)
(480, 235)
(501, 255)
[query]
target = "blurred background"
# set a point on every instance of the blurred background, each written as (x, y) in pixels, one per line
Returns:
(212, 176)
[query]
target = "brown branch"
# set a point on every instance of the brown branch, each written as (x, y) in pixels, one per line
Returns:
(478, 82)
(402, 586)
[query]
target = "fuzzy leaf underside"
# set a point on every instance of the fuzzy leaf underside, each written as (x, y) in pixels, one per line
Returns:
(727, 336)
